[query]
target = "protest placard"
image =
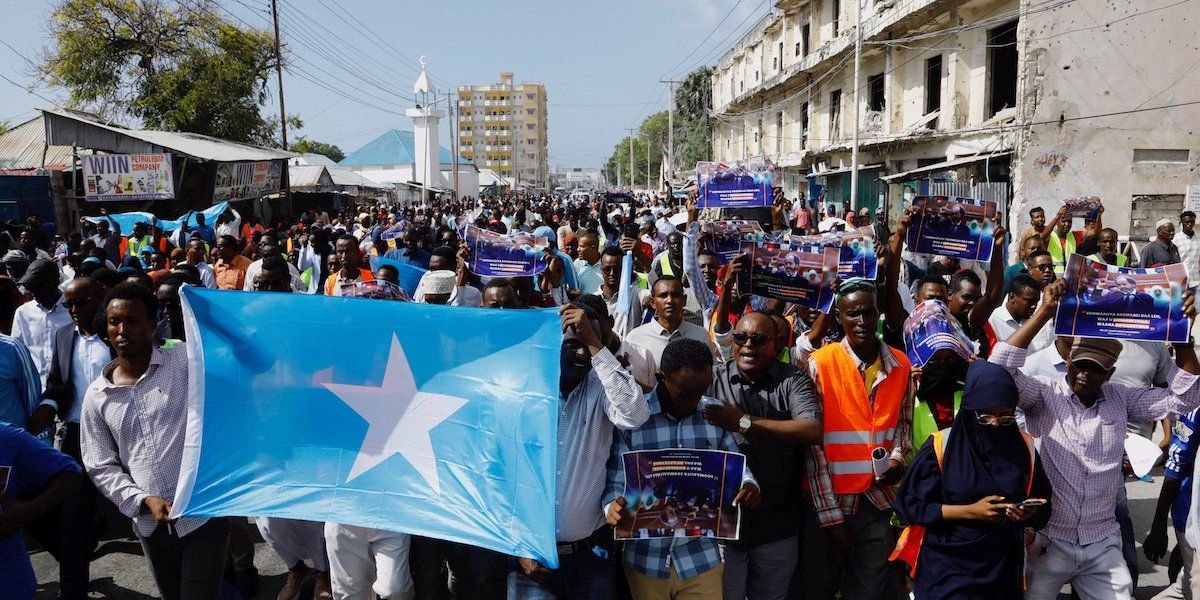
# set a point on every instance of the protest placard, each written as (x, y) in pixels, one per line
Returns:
(736, 186)
(108, 177)
(789, 273)
(1088, 208)
(950, 226)
(931, 329)
(498, 255)
(1107, 301)
(681, 492)
(724, 238)
(856, 250)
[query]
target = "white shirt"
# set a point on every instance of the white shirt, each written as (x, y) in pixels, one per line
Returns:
(588, 276)
(654, 337)
(1189, 252)
(90, 357)
(255, 268)
(34, 325)
(623, 325)
(1005, 325)
(207, 277)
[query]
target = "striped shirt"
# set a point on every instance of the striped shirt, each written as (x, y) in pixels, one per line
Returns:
(833, 508)
(1081, 446)
(689, 556)
(132, 436)
(608, 396)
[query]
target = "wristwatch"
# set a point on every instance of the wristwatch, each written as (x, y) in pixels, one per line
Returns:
(744, 424)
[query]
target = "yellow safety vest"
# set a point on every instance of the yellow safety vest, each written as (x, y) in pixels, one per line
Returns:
(1055, 247)
(923, 424)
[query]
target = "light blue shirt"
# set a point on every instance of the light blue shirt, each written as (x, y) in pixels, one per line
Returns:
(20, 385)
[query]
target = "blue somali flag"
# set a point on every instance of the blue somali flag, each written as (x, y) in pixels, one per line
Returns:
(430, 420)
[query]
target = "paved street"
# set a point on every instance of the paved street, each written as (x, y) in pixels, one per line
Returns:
(119, 573)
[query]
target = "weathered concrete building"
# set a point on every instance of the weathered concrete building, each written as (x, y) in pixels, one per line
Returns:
(1002, 99)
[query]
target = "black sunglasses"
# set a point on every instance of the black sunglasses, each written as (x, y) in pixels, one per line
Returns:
(756, 339)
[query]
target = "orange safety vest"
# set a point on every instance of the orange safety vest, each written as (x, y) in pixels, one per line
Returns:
(908, 547)
(364, 275)
(854, 426)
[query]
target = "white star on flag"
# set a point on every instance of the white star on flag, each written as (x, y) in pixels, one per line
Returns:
(399, 418)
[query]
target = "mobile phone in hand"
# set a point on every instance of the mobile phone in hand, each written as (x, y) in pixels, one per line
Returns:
(1026, 503)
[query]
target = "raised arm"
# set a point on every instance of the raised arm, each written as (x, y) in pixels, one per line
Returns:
(1053, 224)
(893, 308)
(725, 302)
(994, 291)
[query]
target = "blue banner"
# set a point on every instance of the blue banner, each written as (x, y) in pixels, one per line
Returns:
(856, 250)
(931, 329)
(498, 255)
(789, 273)
(722, 186)
(950, 226)
(430, 420)
(1107, 301)
(724, 238)
(681, 492)
(128, 219)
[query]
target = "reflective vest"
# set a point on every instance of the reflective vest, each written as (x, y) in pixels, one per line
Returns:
(1059, 253)
(664, 265)
(924, 425)
(133, 246)
(854, 426)
(908, 547)
(1122, 260)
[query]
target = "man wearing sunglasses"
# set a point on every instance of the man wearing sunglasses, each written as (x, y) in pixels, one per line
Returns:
(1080, 422)
(772, 410)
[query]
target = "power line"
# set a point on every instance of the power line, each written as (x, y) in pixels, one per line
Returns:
(706, 38)
(379, 41)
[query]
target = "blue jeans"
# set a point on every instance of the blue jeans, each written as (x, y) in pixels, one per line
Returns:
(582, 575)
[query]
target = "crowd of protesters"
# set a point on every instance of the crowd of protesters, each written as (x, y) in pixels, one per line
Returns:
(1005, 465)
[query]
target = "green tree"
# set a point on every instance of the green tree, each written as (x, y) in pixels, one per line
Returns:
(652, 132)
(693, 129)
(307, 146)
(177, 66)
(4, 125)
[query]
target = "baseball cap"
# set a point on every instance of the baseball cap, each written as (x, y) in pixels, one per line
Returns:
(42, 269)
(1100, 351)
(15, 256)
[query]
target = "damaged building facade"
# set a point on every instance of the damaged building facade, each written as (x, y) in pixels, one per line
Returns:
(1008, 100)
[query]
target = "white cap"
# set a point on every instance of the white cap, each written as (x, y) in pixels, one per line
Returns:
(438, 282)
(1163, 223)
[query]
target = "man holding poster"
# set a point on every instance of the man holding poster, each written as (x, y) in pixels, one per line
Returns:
(669, 567)
(1107, 301)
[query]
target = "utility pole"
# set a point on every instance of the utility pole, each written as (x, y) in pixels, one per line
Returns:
(647, 164)
(453, 107)
(279, 73)
(632, 171)
(618, 176)
(670, 127)
(858, 27)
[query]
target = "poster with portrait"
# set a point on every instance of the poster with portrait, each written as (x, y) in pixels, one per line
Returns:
(248, 180)
(745, 185)
(680, 493)
(109, 177)
(1087, 208)
(498, 255)
(856, 249)
(724, 238)
(790, 273)
(931, 329)
(1107, 301)
(951, 226)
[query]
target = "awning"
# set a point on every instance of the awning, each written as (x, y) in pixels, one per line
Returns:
(949, 164)
(843, 170)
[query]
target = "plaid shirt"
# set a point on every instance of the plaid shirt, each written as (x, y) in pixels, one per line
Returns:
(833, 508)
(689, 556)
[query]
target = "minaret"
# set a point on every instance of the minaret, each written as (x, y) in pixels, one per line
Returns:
(427, 168)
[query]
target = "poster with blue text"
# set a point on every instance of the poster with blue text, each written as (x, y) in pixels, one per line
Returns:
(681, 492)
(790, 273)
(931, 329)
(1107, 301)
(856, 250)
(724, 238)
(737, 186)
(950, 226)
(498, 255)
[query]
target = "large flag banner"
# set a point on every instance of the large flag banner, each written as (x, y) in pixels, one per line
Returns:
(430, 420)
(856, 250)
(789, 273)
(681, 492)
(127, 220)
(108, 177)
(1088, 208)
(724, 238)
(931, 329)
(1107, 301)
(498, 255)
(724, 186)
(950, 226)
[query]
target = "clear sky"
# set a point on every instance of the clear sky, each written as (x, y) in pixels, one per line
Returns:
(600, 61)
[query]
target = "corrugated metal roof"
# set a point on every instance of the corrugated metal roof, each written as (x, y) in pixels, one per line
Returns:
(305, 176)
(347, 177)
(394, 147)
(21, 148)
(70, 127)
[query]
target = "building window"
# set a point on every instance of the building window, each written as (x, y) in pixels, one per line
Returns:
(779, 133)
(804, 33)
(933, 84)
(780, 55)
(835, 115)
(875, 97)
(1168, 156)
(803, 121)
(837, 16)
(1002, 67)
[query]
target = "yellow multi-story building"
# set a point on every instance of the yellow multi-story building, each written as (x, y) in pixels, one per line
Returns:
(502, 127)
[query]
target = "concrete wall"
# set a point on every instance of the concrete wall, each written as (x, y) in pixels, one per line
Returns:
(1094, 58)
